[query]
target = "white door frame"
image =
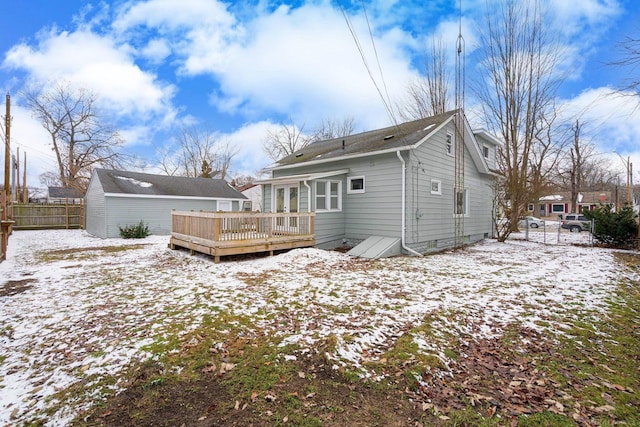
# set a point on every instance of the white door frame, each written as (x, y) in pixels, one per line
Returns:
(287, 197)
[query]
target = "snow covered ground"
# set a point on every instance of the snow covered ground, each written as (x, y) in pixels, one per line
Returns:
(77, 308)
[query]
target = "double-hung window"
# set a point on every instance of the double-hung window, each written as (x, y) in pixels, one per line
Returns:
(461, 202)
(328, 196)
(449, 144)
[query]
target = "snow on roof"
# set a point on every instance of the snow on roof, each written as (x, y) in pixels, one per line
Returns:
(551, 198)
(70, 324)
(134, 181)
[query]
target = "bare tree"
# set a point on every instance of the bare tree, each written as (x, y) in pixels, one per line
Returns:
(79, 138)
(285, 140)
(630, 60)
(428, 95)
(582, 168)
(518, 83)
(199, 153)
(333, 128)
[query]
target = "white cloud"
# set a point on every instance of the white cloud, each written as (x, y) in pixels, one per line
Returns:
(248, 141)
(28, 135)
(614, 119)
(304, 62)
(94, 62)
(198, 31)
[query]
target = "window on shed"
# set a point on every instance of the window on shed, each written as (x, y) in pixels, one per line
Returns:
(355, 184)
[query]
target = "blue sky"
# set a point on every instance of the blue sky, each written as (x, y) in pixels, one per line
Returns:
(241, 68)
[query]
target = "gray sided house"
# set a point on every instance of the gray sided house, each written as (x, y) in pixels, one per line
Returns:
(397, 186)
(117, 198)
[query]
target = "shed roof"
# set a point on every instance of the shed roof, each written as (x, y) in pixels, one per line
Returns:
(388, 138)
(138, 183)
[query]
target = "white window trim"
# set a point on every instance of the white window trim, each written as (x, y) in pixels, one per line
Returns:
(439, 190)
(466, 202)
(327, 195)
(450, 149)
(486, 151)
(352, 178)
(553, 205)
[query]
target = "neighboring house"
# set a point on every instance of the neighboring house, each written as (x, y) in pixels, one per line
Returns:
(64, 195)
(253, 192)
(395, 185)
(117, 198)
(559, 204)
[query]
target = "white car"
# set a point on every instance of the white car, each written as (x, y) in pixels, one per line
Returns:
(532, 221)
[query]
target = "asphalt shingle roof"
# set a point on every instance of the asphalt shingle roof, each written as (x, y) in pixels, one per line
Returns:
(65, 193)
(391, 137)
(124, 182)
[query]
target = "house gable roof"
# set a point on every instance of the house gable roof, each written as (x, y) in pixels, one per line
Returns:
(64, 193)
(402, 136)
(586, 197)
(144, 184)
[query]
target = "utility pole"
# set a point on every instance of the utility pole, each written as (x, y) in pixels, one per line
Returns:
(7, 150)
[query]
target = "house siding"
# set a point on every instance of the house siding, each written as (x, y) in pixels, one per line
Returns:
(430, 217)
(429, 223)
(95, 209)
(375, 212)
(155, 212)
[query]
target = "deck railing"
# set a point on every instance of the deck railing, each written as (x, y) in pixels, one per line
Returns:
(228, 227)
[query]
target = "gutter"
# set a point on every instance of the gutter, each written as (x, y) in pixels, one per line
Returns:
(404, 207)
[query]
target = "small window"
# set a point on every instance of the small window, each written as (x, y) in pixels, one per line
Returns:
(436, 186)
(461, 201)
(485, 151)
(557, 208)
(530, 207)
(355, 184)
(246, 206)
(449, 146)
(328, 196)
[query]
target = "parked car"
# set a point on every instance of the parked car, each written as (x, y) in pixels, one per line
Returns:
(532, 220)
(575, 223)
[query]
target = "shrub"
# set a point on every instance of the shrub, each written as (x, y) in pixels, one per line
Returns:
(614, 229)
(138, 231)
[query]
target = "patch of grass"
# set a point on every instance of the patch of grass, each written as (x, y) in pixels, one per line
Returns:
(80, 254)
(596, 359)
(544, 419)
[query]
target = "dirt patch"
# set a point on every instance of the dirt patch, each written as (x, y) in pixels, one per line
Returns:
(317, 396)
(15, 287)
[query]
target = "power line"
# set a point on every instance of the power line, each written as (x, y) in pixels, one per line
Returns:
(366, 64)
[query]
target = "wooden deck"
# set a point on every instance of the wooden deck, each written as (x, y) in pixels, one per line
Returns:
(232, 233)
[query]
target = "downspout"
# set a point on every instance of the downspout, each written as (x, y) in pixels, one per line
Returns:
(402, 240)
(308, 195)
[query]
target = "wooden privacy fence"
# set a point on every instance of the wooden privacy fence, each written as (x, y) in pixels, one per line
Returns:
(232, 233)
(49, 215)
(5, 224)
